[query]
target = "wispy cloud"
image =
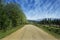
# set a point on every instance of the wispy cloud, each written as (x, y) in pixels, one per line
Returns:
(35, 9)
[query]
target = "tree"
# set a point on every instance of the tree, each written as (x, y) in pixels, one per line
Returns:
(11, 15)
(15, 14)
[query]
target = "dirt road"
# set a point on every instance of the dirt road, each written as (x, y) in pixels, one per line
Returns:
(29, 32)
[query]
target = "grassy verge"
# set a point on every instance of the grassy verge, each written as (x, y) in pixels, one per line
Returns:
(8, 32)
(45, 28)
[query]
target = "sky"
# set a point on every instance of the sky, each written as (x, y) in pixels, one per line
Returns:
(39, 9)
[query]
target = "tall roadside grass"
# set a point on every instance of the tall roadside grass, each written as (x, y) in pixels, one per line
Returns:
(53, 30)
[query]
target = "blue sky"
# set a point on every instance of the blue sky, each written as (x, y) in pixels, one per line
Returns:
(39, 9)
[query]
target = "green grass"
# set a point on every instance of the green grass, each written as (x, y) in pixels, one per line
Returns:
(47, 30)
(8, 32)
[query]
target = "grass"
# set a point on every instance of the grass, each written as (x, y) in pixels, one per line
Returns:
(50, 32)
(8, 32)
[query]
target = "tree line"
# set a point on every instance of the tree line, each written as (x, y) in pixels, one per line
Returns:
(50, 21)
(11, 15)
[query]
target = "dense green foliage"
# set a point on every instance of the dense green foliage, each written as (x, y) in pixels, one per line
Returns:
(11, 15)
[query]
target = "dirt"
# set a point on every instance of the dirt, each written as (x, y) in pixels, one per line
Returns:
(30, 32)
